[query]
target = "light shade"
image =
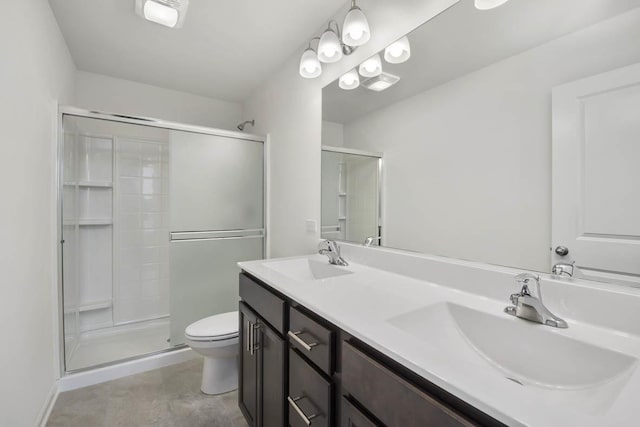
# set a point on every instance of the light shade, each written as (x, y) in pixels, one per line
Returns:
(169, 13)
(371, 67)
(355, 30)
(310, 67)
(349, 80)
(398, 51)
(489, 4)
(329, 48)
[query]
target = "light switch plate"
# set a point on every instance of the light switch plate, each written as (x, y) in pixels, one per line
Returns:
(312, 225)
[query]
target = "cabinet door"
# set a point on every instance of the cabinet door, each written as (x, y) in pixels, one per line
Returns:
(248, 380)
(272, 353)
(352, 417)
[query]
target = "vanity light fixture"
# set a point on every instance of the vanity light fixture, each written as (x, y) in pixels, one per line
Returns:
(382, 82)
(489, 4)
(349, 80)
(170, 13)
(372, 67)
(310, 66)
(332, 44)
(398, 51)
(329, 46)
(355, 30)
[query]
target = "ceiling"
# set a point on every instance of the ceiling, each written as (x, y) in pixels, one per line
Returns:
(225, 49)
(463, 39)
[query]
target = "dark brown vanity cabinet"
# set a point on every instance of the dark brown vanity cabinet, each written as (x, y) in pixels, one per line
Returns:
(262, 371)
(298, 370)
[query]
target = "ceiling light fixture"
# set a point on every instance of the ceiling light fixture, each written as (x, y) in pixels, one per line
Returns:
(332, 44)
(381, 82)
(310, 67)
(372, 67)
(489, 4)
(398, 51)
(170, 13)
(355, 30)
(349, 80)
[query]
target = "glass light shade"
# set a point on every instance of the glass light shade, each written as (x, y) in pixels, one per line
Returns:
(329, 48)
(489, 4)
(398, 51)
(371, 67)
(160, 13)
(310, 67)
(349, 80)
(355, 30)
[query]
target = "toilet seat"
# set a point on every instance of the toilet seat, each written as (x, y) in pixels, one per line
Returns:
(214, 328)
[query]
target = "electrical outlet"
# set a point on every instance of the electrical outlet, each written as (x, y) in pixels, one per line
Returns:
(312, 225)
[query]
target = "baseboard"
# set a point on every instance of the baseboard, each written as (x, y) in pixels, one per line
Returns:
(43, 417)
(109, 373)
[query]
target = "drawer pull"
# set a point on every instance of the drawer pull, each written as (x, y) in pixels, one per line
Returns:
(305, 345)
(305, 418)
(252, 332)
(249, 329)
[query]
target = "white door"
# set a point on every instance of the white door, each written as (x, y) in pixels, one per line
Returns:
(596, 174)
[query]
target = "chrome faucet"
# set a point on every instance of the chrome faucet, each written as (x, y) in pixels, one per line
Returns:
(331, 249)
(528, 307)
(370, 241)
(564, 269)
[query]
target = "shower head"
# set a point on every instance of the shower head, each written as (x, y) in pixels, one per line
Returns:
(248, 122)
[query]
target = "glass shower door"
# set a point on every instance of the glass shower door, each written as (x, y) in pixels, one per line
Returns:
(217, 220)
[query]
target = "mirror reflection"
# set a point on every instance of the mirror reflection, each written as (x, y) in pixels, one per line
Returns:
(514, 142)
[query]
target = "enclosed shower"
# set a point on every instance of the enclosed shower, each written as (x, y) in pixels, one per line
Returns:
(154, 218)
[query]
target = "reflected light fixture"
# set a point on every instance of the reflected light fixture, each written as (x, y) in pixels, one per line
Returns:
(398, 51)
(371, 67)
(310, 66)
(381, 82)
(349, 80)
(489, 4)
(355, 30)
(170, 13)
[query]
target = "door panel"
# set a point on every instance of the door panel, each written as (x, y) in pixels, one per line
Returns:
(596, 152)
(248, 380)
(204, 278)
(273, 367)
(217, 183)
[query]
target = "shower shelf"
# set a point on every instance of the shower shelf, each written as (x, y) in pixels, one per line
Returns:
(89, 222)
(96, 184)
(89, 306)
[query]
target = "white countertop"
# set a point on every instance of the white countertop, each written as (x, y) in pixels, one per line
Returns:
(362, 304)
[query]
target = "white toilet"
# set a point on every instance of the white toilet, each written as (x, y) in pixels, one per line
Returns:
(216, 338)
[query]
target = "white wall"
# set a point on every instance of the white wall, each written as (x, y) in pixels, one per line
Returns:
(332, 133)
(468, 164)
(289, 108)
(109, 94)
(36, 71)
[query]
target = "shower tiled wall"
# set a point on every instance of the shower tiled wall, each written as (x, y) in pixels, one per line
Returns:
(141, 288)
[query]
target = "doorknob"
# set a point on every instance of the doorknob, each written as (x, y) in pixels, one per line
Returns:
(562, 250)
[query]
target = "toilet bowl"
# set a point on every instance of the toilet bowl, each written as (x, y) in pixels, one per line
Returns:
(216, 338)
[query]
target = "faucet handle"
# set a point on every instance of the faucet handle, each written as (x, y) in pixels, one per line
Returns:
(525, 278)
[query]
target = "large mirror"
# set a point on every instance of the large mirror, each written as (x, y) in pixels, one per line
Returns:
(515, 142)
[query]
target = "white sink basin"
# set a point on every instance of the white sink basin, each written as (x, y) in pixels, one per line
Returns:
(307, 269)
(522, 351)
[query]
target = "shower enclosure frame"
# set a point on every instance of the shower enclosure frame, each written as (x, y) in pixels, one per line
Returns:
(380, 226)
(64, 110)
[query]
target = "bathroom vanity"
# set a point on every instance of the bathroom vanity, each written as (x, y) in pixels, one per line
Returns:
(362, 345)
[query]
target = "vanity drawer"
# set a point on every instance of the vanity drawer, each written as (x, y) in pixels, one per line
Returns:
(352, 417)
(310, 395)
(390, 398)
(312, 339)
(269, 306)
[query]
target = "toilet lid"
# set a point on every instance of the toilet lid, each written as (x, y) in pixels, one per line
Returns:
(220, 326)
